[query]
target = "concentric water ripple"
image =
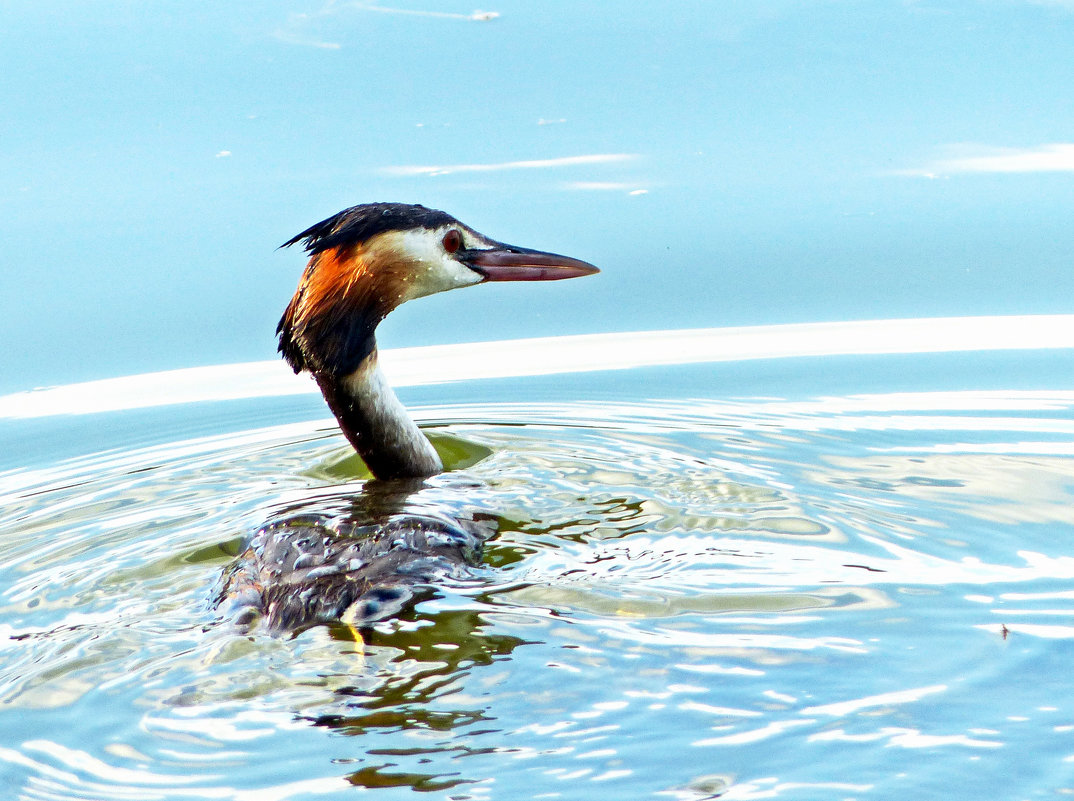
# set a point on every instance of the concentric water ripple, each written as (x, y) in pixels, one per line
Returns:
(685, 599)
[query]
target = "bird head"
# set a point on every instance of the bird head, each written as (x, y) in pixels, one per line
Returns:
(367, 260)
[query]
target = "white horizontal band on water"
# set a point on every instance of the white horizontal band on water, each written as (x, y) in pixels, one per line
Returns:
(567, 354)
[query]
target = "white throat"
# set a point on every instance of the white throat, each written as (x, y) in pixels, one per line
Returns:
(377, 424)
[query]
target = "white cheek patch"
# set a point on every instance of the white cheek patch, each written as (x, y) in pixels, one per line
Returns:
(456, 274)
(432, 269)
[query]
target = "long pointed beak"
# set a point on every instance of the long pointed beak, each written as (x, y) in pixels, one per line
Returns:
(508, 263)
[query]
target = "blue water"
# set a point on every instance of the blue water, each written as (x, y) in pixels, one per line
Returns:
(837, 576)
(858, 587)
(156, 155)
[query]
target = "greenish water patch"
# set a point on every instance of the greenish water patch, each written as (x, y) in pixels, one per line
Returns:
(455, 452)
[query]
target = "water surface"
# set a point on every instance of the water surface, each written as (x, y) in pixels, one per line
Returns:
(836, 591)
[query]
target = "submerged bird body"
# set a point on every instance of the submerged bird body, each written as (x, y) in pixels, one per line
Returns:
(364, 262)
(355, 561)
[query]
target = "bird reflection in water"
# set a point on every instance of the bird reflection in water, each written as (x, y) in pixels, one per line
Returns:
(419, 695)
(311, 568)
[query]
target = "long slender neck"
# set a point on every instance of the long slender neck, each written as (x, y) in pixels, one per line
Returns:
(377, 424)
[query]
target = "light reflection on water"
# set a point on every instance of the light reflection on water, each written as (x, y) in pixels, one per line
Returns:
(752, 598)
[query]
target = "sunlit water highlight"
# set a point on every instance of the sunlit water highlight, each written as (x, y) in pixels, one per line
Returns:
(434, 364)
(698, 587)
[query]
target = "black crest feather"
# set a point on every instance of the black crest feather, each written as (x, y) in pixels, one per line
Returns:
(359, 223)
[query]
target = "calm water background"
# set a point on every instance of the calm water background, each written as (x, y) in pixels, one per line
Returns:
(799, 162)
(804, 578)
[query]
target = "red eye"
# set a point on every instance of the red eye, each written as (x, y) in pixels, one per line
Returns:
(452, 241)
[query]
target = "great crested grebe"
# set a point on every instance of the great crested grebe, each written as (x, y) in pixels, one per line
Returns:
(361, 566)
